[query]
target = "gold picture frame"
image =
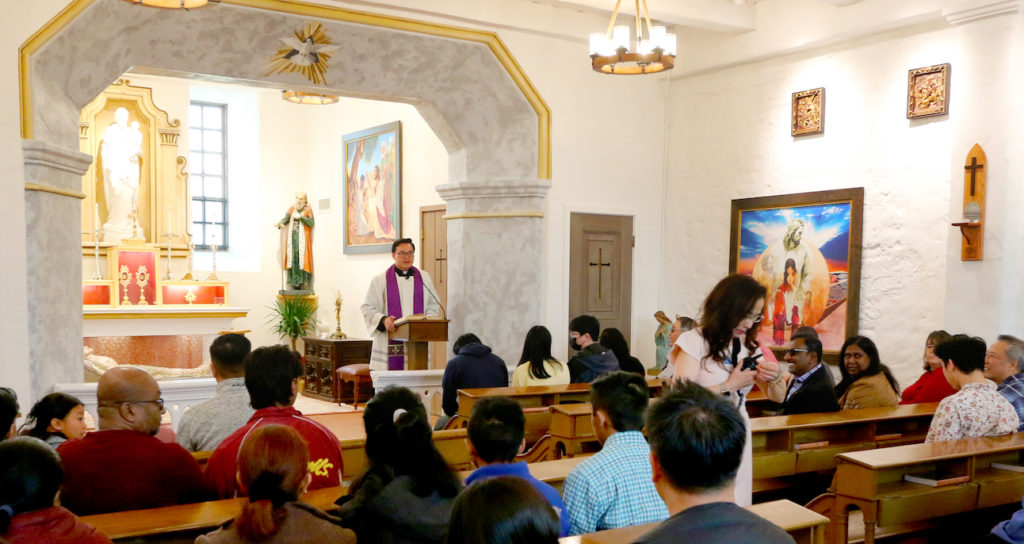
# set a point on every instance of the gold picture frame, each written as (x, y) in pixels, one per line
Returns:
(808, 112)
(928, 91)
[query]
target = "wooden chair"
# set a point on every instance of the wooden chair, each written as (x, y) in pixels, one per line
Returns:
(358, 374)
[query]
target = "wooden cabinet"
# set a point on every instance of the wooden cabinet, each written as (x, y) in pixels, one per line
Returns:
(322, 360)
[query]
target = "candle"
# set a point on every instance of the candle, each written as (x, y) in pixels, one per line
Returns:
(96, 218)
(168, 225)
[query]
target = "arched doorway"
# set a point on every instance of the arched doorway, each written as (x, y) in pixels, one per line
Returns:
(464, 83)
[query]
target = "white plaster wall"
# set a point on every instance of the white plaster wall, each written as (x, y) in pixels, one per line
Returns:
(607, 157)
(730, 138)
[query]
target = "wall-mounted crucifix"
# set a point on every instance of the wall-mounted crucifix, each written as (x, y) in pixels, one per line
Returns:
(972, 227)
(600, 264)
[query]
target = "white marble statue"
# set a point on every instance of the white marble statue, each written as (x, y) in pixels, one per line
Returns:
(121, 151)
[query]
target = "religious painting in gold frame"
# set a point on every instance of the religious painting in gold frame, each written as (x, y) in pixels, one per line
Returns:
(805, 249)
(808, 112)
(928, 91)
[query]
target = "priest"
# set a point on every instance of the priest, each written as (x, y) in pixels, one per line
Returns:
(402, 290)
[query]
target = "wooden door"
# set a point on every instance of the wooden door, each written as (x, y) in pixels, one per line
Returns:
(601, 269)
(433, 253)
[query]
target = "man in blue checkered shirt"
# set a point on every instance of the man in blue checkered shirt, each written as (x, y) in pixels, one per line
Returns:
(614, 487)
(1004, 364)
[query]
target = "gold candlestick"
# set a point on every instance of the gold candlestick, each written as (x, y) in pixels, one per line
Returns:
(142, 278)
(125, 279)
(337, 316)
(191, 248)
(213, 273)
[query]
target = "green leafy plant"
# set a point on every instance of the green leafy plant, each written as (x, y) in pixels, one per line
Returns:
(292, 317)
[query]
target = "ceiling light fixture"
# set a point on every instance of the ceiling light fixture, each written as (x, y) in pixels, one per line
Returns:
(172, 4)
(300, 97)
(654, 51)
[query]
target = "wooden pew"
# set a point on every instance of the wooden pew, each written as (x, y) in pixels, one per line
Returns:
(802, 524)
(534, 395)
(451, 444)
(157, 524)
(873, 481)
(803, 443)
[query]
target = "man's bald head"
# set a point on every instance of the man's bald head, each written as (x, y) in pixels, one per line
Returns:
(127, 400)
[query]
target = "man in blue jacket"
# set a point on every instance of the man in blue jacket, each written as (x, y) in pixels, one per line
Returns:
(473, 366)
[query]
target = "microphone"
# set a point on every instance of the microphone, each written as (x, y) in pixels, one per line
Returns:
(444, 313)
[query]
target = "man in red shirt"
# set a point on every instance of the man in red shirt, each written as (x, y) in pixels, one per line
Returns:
(122, 466)
(272, 378)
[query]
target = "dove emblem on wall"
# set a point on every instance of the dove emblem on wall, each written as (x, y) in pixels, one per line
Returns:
(307, 52)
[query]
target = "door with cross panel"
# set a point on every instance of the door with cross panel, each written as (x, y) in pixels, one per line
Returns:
(601, 270)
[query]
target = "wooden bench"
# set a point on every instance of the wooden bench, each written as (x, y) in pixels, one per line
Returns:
(805, 526)
(803, 443)
(534, 395)
(170, 522)
(873, 481)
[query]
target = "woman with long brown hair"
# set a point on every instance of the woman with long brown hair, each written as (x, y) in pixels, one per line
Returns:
(272, 470)
(718, 354)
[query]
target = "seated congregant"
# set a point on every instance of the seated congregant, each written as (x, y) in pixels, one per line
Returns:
(592, 359)
(866, 382)
(496, 435)
(55, 419)
(8, 412)
(697, 440)
(976, 409)
(613, 339)
(536, 365)
(473, 366)
(808, 387)
(502, 510)
(1004, 364)
(30, 477)
(204, 426)
(407, 491)
(932, 386)
(122, 466)
(273, 472)
(614, 488)
(272, 378)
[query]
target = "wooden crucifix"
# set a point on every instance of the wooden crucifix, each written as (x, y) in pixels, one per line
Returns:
(972, 227)
(600, 270)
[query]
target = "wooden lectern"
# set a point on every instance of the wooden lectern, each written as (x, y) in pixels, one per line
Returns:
(416, 333)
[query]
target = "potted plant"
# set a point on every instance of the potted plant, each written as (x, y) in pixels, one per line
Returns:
(292, 317)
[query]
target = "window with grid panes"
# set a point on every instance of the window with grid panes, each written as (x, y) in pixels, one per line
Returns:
(208, 176)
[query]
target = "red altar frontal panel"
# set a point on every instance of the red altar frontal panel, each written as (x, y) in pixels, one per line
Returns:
(96, 295)
(204, 294)
(164, 351)
(135, 261)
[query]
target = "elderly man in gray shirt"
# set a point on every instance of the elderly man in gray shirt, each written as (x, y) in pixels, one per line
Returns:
(204, 426)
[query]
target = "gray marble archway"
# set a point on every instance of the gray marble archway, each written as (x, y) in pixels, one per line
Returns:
(495, 138)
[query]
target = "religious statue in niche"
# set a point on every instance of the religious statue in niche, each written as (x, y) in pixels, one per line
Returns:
(121, 153)
(928, 91)
(307, 52)
(297, 243)
(808, 112)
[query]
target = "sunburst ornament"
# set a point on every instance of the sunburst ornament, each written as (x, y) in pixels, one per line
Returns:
(307, 53)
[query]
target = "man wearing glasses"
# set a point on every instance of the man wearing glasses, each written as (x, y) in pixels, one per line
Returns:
(122, 466)
(808, 387)
(401, 291)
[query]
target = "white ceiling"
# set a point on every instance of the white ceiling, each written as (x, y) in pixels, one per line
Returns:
(732, 16)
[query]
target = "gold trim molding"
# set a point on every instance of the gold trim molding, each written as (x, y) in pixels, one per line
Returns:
(490, 215)
(54, 190)
(168, 315)
(48, 31)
